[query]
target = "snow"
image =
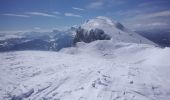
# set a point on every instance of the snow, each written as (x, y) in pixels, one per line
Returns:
(116, 30)
(100, 70)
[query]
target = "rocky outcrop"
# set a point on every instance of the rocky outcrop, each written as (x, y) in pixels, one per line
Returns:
(89, 36)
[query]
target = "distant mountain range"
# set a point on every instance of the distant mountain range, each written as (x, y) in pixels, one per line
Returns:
(37, 41)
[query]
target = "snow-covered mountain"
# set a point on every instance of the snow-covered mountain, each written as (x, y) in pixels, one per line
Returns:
(103, 28)
(108, 62)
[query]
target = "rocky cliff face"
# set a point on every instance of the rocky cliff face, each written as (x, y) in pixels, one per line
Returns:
(89, 36)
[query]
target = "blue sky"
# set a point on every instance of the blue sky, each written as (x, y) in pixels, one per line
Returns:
(25, 15)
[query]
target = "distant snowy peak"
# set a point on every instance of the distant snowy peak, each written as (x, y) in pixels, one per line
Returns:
(116, 31)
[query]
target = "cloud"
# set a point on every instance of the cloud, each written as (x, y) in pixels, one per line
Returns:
(95, 5)
(159, 14)
(72, 15)
(158, 24)
(150, 3)
(146, 16)
(152, 20)
(98, 4)
(152, 24)
(56, 12)
(79, 9)
(16, 15)
(138, 12)
(40, 14)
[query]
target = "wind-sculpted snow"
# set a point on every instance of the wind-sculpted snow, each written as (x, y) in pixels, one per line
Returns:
(100, 70)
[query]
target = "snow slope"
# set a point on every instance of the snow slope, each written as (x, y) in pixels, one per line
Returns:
(100, 70)
(117, 31)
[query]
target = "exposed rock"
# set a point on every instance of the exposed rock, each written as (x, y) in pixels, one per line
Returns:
(89, 36)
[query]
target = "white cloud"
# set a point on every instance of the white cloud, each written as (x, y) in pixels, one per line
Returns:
(149, 15)
(40, 14)
(144, 20)
(79, 9)
(98, 4)
(159, 14)
(56, 12)
(95, 5)
(158, 24)
(152, 24)
(72, 15)
(16, 15)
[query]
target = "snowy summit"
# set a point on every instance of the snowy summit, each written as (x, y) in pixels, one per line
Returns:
(113, 29)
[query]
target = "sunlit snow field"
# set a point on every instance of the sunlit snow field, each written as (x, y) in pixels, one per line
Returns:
(101, 70)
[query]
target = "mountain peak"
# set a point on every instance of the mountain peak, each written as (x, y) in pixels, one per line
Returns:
(102, 22)
(111, 22)
(109, 28)
(106, 19)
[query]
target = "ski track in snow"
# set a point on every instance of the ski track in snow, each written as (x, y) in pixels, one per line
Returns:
(123, 71)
